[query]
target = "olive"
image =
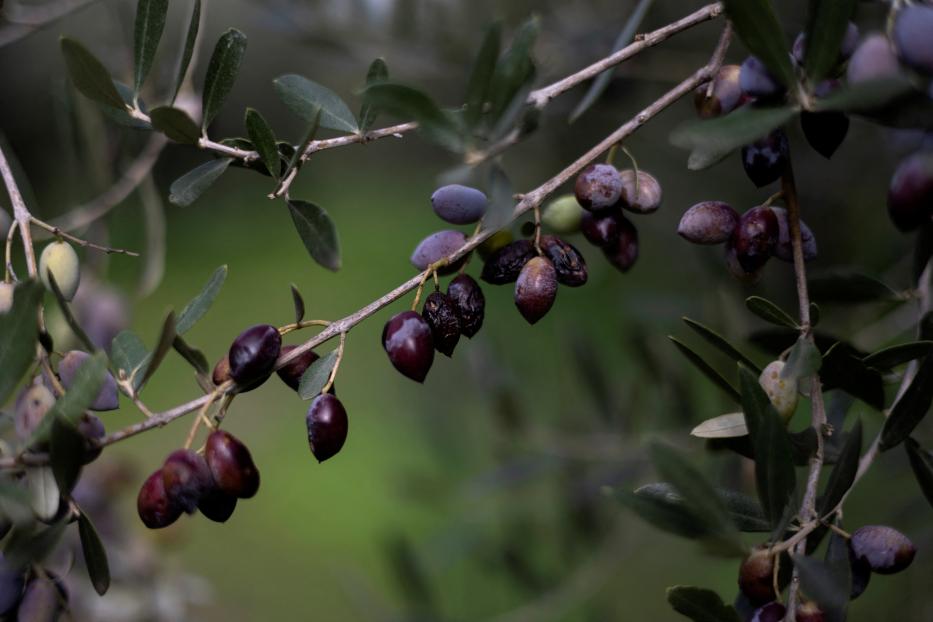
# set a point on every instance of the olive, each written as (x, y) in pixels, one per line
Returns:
(231, 465)
(61, 260)
(441, 315)
(459, 205)
(408, 342)
(327, 426)
(155, 507)
(536, 289)
(253, 354)
(708, 222)
(467, 297)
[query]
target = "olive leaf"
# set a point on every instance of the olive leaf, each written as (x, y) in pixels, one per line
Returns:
(78, 398)
(317, 375)
(200, 304)
(222, 71)
(89, 75)
(826, 30)
(150, 22)
(402, 101)
(378, 72)
(770, 312)
(921, 461)
(166, 338)
(757, 25)
(302, 96)
(190, 39)
(843, 473)
(729, 425)
(911, 408)
(484, 65)
(176, 124)
(129, 355)
(890, 357)
(804, 360)
(317, 232)
(67, 447)
(299, 303)
(700, 605)
(263, 138)
(720, 343)
(706, 369)
(95, 556)
(186, 189)
(18, 331)
(849, 287)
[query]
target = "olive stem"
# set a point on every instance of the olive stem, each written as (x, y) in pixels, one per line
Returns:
(333, 372)
(537, 212)
(9, 274)
(774, 197)
(288, 328)
(196, 424)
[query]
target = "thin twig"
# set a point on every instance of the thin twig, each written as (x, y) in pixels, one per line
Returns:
(79, 241)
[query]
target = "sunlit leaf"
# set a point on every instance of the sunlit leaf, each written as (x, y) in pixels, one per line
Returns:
(729, 425)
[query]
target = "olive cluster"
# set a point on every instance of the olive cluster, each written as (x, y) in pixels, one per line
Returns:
(873, 549)
(29, 594)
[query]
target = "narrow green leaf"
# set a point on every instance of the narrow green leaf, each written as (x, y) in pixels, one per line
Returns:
(720, 343)
(804, 360)
(921, 461)
(769, 312)
(477, 91)
(301, 95)
(19, 329)
(402, 101)
(69, 316)
(89, 75)
(662, 513)
(698, 496)
(706, 369)
(95, 556)
(129, 355)
(200, 304)
(313, 127)
(825, 31)
(176, 124)
(712, 140)
(601, 81)
(193, 24)
(316, 376)
(222, 71)
(700, 605)
(79, 397)
(865, 97)
(318, 233)
(744, 511)
(757, 25)
(843, 368)
(264, 139)
(729, 425)
(66, 454)
(843, 473)
(150, 22)
(166, 337)
(910, 410)
(516, 68)
(191, 354)
(891, 357)
(828, 584)
(186, 189)
(378, 72)
(849, 287)
(774, 461)
(299, 303)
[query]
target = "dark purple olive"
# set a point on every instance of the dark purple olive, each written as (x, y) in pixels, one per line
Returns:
(601, 229)
(42, 602)
(92, 429)
(911, 36)
(459, 205)
(536, 289)
(437, 246)
(408, 342)
(253, 354)
(467, 297)
(155, 508)
(766, 160)
(217, 505)
(784, 250)
(568, 262)
(643, 197)
(809, 612)
(873, 59)
(846, 48)
(598, 186)
(756, 576)
(825, 131)
(735, 268)
(327, 426)
(107, 398)
(186, 478)
(910, 195)
(441, 315)
(504, 265)
(231, 465)
(755, 237)
(623, 253)
(757, 81)
(708, 222)
(886, 550)
(772, 612)
(725, 97)
(291, 372)
(11, 585)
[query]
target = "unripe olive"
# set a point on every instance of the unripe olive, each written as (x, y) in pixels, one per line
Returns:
(493, 243)
(504, 265)
(756, 576)
(221, 372)
(765, 160)
(563, 215)
(217, 505)
(291, 372)
(253, 354)
(781, 391)
(708, 222)
(567, 260)
(468, 299)
(911, 36)
(6, 296)
(186, 478)
(784, 250)
(536, 289)
(231, 465)
(756, 80)
(643, 197)
(726, 95)
(437, 246)
(910, 195)
(459, 205)
(61, 260)
(441, 315)
(408, 342)
(825, 131)
(772, 612)
(598, 186)
(327, 425)
(873, 59)
(886, 550)
(32, 404)
(108, 396)
(755, 237)
(155, 507)
(623, 253)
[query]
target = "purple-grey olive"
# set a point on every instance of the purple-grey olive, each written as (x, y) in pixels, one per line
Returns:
(640, 193)
(873, 59)
(598, 186)
(911, 36)
(708, 222)
(108, 396)
(459, 205)
(437, 246)
(756, 80)
(784, 250)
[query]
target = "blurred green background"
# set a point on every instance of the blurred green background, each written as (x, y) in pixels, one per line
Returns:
(480, 495)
